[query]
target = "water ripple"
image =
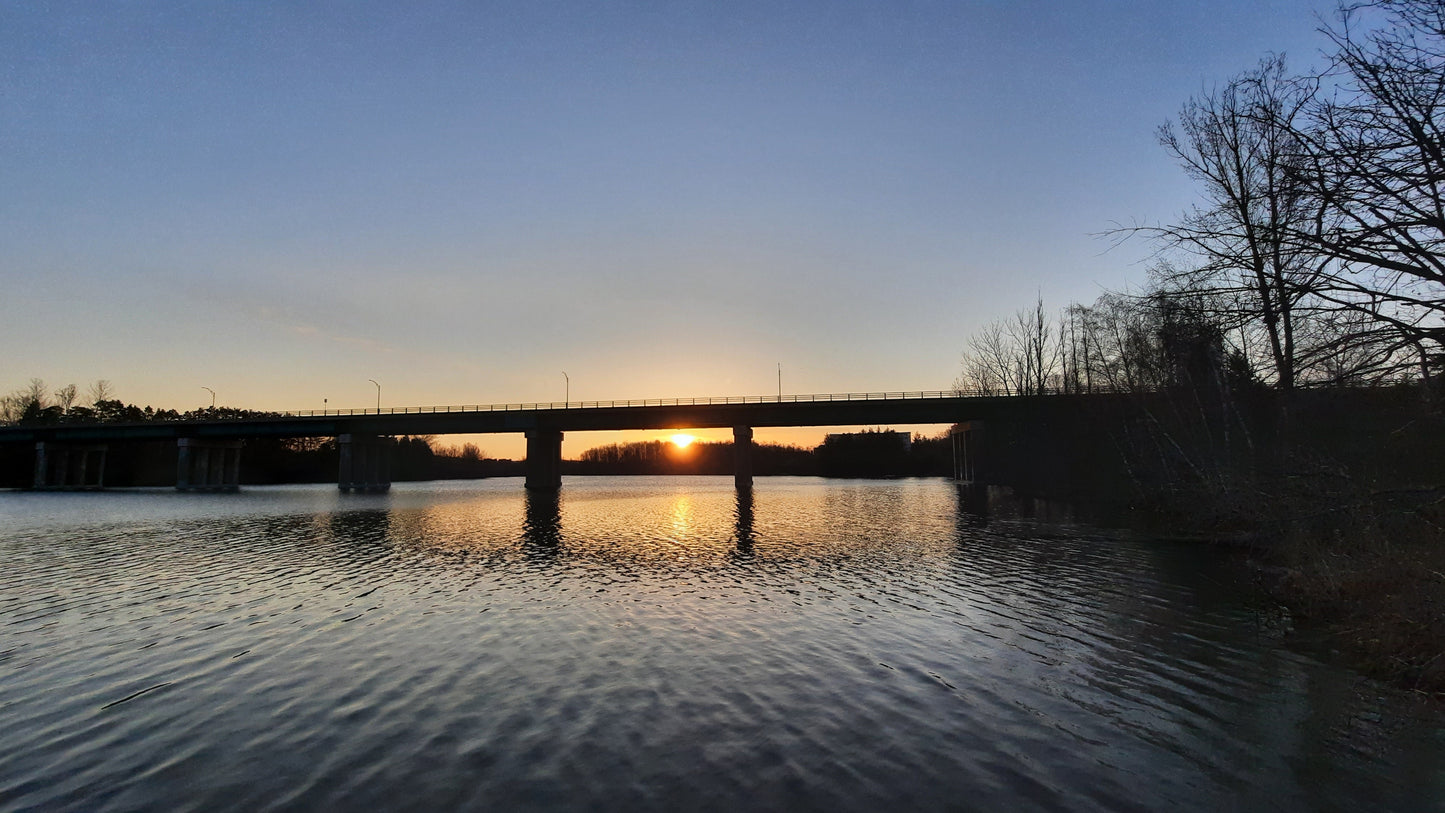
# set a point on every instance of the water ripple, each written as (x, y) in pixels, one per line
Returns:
(642, 643)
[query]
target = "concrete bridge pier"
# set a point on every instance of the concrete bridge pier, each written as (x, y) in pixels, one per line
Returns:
(743, 457)
(544, 459)
(968, 447)
(208, 465)
(68, 466)
(365, 463)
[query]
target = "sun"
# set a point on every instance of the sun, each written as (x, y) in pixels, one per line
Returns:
(682, 440)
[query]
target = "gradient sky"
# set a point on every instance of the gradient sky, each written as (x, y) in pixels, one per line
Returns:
(463, 200)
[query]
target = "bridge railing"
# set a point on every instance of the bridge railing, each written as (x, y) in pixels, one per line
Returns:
(641, 402)
(227, 414)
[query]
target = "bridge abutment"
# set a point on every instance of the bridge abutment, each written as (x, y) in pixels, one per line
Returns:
(69, 466)
(743, 457)
(544, 459)
(365, 463)
(208, 465)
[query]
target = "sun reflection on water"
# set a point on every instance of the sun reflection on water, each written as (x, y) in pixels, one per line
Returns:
(682, 517)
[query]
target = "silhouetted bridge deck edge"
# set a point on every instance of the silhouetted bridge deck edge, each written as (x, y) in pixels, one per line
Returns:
(209, 452)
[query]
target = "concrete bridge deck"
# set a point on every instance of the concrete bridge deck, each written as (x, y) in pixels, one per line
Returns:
(576, 416)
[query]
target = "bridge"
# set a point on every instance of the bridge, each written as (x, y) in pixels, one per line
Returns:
(208, 451)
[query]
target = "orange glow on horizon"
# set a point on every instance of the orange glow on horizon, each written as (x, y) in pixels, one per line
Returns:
(682, 440)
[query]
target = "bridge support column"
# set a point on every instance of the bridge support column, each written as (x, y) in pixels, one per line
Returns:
(544, 459)
(968, 458)
(365, 463)
(69, 467)
(208, 465)
(743, 457)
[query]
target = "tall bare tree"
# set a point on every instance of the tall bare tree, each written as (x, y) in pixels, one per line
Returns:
(1019, 356)
(988, 363)
(100, 390)
(1241, 143)
(1376, 151)
(1034, 362)
(65, 397)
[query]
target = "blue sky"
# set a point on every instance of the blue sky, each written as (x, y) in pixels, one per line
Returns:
(462, 200)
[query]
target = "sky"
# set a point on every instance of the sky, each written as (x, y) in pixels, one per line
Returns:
(465, 200)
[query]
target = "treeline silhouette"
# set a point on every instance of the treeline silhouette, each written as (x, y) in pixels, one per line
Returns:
(883, 453)
(698, 457)
(874, 453)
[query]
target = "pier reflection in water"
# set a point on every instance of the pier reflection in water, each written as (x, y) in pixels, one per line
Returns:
(657, 643)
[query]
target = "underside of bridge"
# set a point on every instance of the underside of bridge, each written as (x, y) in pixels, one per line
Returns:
(544, 458)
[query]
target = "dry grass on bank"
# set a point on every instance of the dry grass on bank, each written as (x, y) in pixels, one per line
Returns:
(1375, 580)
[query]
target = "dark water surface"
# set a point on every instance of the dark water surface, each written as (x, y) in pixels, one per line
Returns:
(657, 643)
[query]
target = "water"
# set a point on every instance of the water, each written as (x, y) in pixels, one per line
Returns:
(657, 643)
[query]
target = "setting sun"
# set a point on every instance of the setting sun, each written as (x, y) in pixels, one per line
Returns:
(681, 440)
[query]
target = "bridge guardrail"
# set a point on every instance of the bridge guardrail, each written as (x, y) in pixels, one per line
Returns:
(639, 402)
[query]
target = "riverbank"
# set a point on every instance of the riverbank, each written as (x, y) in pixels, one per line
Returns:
(1363, 579)
(1340, 512)
(1374, 584)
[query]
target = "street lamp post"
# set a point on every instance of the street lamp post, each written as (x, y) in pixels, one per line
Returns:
(378, 395)
(566, 391)
(213, 396)
(780, 382)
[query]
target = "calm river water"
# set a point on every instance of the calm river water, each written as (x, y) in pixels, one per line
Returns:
(658, 644)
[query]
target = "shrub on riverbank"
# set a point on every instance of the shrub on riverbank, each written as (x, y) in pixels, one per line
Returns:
(1374, 575)
(1351, 535)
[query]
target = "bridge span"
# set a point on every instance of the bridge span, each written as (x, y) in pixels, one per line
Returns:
(209, 450)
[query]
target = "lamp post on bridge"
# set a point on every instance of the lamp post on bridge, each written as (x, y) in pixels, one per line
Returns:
(378, 395)
(780, 382)
(213, 396)
(566, 391)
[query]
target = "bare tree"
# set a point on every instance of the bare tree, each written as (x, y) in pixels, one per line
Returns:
(27, 402)
(100, 390)
(1376, 152)
(1242, 144)
(1025, 355)
(65, 397)
(1355, 350)
(988, 363)
(35, 393)
(12, 407)
(1116, 342)
(1033, 355)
